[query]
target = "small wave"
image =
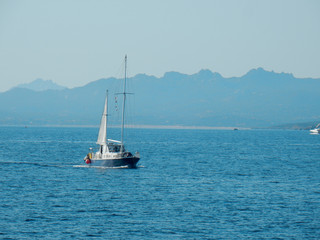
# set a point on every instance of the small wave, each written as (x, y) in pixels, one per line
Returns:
(81, 166)
(304, 144)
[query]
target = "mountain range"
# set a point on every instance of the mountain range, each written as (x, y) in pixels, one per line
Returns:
(41, 85)
(259, 98)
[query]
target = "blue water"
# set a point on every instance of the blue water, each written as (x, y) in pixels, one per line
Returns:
(191, 184)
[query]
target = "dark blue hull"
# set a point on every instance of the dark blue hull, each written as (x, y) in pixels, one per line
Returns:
(129, 162)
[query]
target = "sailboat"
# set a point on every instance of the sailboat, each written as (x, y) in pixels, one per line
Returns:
(112, 153)
(315, 130)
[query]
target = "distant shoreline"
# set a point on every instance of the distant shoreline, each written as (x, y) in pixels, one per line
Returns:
(304, 126)
(134, 126)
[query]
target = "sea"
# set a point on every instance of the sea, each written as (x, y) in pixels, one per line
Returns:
(189, 184)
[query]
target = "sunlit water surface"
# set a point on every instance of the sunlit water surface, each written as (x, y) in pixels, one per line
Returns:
(190, 184)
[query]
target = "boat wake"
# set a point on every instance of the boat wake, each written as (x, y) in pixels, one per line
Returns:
(32, 163)
(61, 166)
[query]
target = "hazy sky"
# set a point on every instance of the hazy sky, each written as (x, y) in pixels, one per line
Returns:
(76, 42)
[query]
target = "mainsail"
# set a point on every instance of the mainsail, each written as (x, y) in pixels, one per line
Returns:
(102, 137)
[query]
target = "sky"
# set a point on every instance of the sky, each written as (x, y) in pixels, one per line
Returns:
(74, 42)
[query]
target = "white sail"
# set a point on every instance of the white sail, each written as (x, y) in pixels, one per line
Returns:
(102, 137)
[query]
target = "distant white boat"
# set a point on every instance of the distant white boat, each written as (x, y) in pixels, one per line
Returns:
(112, 153)
(315, 130)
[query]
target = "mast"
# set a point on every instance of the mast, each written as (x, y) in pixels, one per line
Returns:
(124, 101)
(106, 116)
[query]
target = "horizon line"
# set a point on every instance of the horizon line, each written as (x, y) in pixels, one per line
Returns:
(138, 126)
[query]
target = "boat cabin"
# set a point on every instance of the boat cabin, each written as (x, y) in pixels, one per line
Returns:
(111, 147)
(115, 147)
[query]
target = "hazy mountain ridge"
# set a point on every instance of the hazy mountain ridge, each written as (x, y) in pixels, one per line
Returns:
(258, 99)
(41, 85)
